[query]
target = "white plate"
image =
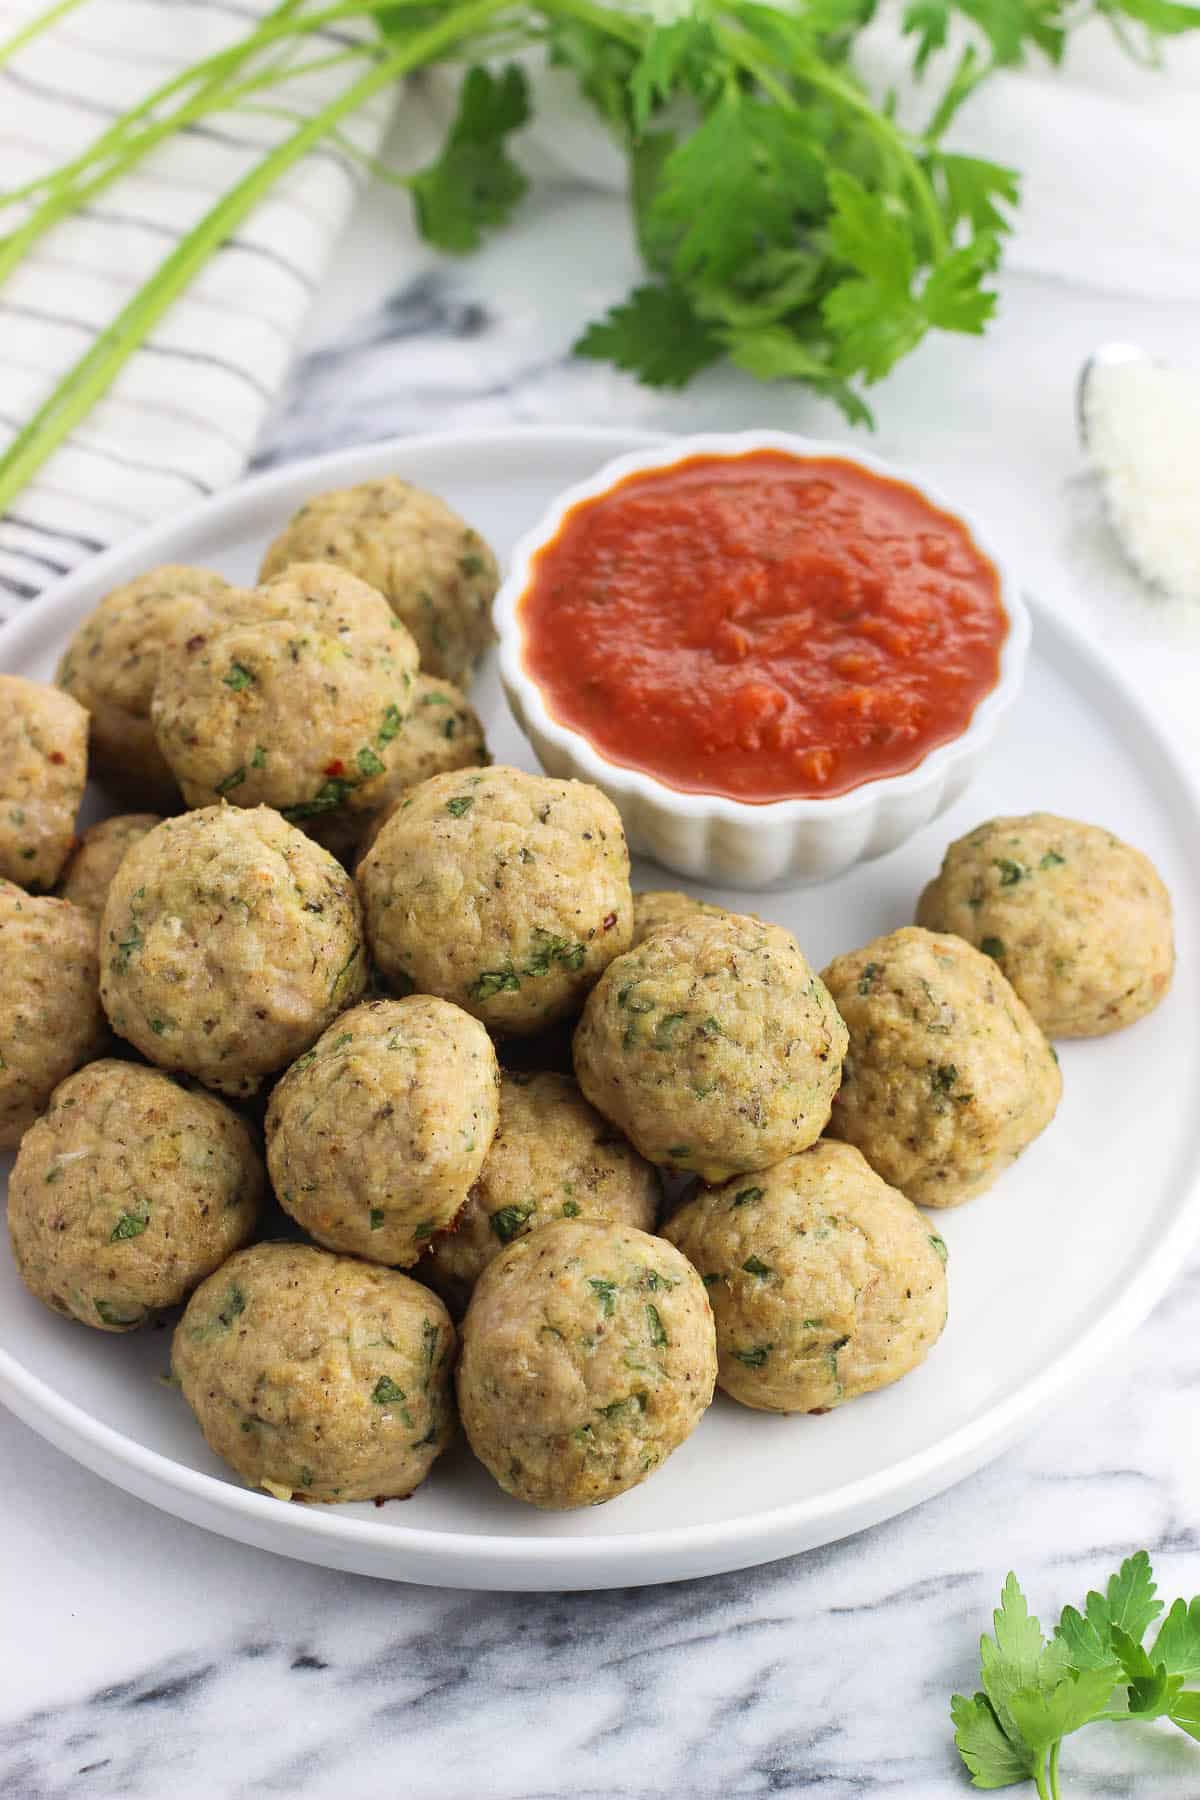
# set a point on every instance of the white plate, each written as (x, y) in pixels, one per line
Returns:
(1048, 1272)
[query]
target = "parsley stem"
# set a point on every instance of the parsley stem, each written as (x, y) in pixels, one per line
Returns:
(1055, 1749)
(35, 28)
(1039, 1776)
(95, 372)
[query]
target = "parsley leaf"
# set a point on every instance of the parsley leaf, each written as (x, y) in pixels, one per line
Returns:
(1128, 1602)
(656, 335)
(993, 1759)
(1177, 1645)
(474, 183)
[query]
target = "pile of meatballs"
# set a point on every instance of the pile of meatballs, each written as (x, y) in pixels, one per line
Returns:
(331, 954)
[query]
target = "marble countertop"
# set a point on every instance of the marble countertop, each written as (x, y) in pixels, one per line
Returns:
(142, 1657)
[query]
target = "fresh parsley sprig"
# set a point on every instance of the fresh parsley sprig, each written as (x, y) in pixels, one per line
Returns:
(1037, 1691)
(786, 220)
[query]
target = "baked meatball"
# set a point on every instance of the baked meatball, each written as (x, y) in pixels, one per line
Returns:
(947, 1077)
(318, 1376)
(588, 1356)
(376, 1134)
(659, 909)
(228, 942)
(275, 712)
(51, 1019)
(712, 1046)
(43, 772)
(97, 857)
(438, 575)
(505, 892)
(553, 1157)
(128, 1192)
(825, 1283)
(111, 666)
(1079, 922)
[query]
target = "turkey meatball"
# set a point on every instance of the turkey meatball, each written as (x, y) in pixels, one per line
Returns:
(228, 942)
(437, 574)
(127, 1193)
(947, 1077)
(43, 772)
(588, 1356)
(1079, 922)
(825, 1282)
(377, 1133)
(318, 1376)
(553, 1157)
(505, 892)
(97, 857)
(51, 1019)
(712, 1046)
(112, 664)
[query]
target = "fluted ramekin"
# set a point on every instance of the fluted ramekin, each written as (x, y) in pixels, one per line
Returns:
(733, 843)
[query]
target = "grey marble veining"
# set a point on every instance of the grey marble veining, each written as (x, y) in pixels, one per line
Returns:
(144, 1658)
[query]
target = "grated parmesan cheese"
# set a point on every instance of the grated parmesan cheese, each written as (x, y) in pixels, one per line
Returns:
(1142, 428)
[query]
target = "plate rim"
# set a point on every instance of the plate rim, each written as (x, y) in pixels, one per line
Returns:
(644, 1556)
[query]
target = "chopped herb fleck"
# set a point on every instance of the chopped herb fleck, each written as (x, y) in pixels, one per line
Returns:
(461, 803)
(425, 1228)
(368, 762)
(943, 1078)
(753, 1266)
(510, 1221)
(866, 983)
(570, 1209)
(747, 1196)
(327, 798)
(992, 946)
(658, 1331)
(386, 1393)
(130, 1225)
(712, 1280)
(604, 1291)
(939, 1245)
(494, 981)
(239, 677)
(259, 759)
(392, 722)
(131, 942)
(376, 1218)
(1051, 860)
(1010, 872)
(230, 782)
(667, 1027)
(677, 1151)
(471, 565)
(755, 1358)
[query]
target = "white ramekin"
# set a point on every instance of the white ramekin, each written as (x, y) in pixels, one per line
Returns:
(731, 843)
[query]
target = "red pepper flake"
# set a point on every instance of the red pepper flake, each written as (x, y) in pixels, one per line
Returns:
(609, 921)
(335, 768)
(56, 756)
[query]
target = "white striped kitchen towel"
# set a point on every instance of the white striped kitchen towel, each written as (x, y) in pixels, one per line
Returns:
(183, 416)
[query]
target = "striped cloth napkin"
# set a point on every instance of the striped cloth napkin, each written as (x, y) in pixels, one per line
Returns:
(183, 416)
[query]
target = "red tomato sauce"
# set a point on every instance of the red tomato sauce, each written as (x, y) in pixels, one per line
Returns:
(763, 626)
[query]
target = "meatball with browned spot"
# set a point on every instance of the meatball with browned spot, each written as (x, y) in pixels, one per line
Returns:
(588, 1357)
(713, 1046)
(127, 1193)
(318, 1377)
(1079, 921)
(825, 1282)
(553, 1157)
(947, 1078)
(505, 892)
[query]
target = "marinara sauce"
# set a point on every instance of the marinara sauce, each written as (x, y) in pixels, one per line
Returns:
(763, 626)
